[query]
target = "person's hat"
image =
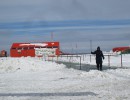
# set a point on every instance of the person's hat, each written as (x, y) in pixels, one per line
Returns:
(98, 48)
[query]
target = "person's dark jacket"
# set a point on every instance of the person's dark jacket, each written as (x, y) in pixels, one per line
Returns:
(99, 55)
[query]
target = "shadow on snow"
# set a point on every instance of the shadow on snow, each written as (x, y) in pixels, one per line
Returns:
(49, 94)
(87, 67)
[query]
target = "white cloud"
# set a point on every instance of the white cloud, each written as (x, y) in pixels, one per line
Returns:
(63, 9)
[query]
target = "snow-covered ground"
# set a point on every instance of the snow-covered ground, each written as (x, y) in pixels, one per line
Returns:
(37, 79)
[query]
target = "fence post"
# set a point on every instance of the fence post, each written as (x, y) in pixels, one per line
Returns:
(90, 57)
(109, 60)
(80, 62)
(121, 60)
(57, 59)
(70, 60)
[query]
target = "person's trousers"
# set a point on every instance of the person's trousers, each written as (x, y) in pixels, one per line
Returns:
(99, 66)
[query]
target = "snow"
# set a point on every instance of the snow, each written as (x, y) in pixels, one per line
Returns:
(36, 44)
(36, 79)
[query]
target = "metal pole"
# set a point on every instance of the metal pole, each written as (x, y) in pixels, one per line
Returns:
(76, 47)
(90, 48)
(91, 45)
(83, 57)
(80, 62)
(121, 60)
(109, 60)
(51, 36)
(57, 59)
(90, 58)
(70, 61)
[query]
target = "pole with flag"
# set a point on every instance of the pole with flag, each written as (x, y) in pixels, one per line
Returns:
(90, 48)
(91, 45)
(51, 36)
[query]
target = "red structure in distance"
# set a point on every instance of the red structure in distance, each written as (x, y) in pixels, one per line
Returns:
(120, 49)
(35, 49)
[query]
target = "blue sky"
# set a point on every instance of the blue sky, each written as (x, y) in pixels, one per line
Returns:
(105, 22)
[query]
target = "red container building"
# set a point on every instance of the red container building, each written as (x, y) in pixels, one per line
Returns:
(35, 49)
(120, 49)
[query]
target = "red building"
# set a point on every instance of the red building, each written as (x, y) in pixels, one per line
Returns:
(122, 49)
(3, 53)
(35, 49)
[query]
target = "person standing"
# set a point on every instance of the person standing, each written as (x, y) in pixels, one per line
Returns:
(99, 57)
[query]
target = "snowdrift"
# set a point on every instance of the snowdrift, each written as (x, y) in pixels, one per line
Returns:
(27, 64)
(30, 64)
